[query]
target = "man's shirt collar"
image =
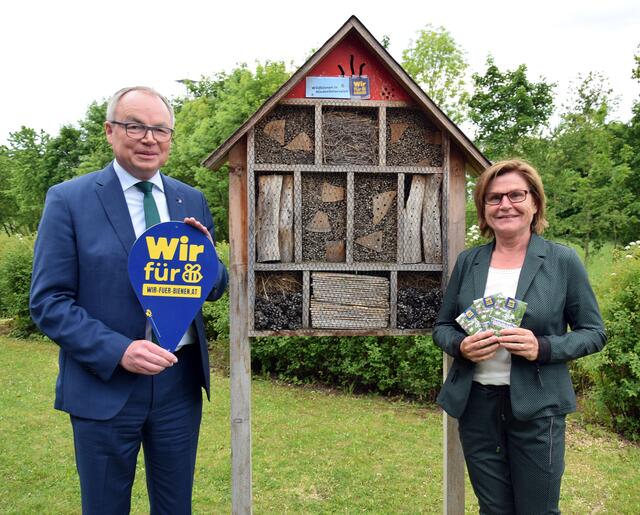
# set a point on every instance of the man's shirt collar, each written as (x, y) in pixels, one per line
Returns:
(128, 181)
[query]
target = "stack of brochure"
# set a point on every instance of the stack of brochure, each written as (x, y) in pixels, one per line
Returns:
(494, 312)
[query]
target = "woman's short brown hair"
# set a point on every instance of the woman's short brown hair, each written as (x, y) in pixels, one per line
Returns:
(529, 174)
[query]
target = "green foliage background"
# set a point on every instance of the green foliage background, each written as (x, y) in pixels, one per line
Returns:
(590, 166)
(615, 372)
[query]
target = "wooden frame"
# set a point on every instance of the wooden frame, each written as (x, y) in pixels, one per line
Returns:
(459, 155)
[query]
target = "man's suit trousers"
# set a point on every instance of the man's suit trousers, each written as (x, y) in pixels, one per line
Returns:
(163, 414)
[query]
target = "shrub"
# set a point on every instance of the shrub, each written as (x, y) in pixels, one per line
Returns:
(406, 365)
(409, 366)
(216, 314)
(216, 320)
(16, 261)
(617, 367)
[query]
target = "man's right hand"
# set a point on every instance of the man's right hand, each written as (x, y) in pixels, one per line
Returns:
(147, 358)
(480, 346)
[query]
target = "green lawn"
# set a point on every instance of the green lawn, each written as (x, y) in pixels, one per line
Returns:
(313, 451)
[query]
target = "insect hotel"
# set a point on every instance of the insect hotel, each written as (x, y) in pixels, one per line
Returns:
(346, 207)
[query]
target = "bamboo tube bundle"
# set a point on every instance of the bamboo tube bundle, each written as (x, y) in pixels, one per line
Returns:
(350, 136)
(346, 301)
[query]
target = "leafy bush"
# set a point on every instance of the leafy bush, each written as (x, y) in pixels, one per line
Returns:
(216, 314)
(407, 365)
(216, 320)
(16, 261)
(617, 368)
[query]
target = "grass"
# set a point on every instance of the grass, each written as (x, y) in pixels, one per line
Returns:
(314, 451)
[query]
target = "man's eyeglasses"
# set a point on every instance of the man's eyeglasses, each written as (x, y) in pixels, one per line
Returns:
(514, 196)
(138, 131)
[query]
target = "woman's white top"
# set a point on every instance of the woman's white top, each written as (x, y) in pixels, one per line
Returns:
(497, 370)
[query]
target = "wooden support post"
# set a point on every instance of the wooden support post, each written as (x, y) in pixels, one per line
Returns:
(240, 350)
(453, 457)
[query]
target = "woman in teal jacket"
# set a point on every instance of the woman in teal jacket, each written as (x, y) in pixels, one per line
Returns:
(510, 391)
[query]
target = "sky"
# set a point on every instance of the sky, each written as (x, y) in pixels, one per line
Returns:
(58, 57)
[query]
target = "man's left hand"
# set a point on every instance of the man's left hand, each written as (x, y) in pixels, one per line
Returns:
(520, 342)
(193, 222)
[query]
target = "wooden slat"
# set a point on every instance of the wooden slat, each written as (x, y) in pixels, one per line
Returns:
(411, 219)
(369, 169)
(382, 135)
(285, 229)
(267, 220)
(297, 217)
(306, 296)
(360, 267)
(393, 300)
(431, 219)
(345, 102)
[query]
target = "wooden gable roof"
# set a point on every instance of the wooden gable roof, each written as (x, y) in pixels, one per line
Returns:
(354, 28)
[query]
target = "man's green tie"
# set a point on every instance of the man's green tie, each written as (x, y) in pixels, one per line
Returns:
(151, 215)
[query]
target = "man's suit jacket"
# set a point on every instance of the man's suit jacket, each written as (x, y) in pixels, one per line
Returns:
(80, 292)
(556, 288)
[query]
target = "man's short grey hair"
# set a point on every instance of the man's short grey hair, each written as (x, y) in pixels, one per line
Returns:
(113, 102)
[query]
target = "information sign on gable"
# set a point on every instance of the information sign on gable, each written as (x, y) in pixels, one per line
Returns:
(353, 87)
(328, 87)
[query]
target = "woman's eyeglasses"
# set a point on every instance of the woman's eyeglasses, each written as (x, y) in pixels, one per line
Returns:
(514, 196)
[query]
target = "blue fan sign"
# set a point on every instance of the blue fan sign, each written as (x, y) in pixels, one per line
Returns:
(172, 268)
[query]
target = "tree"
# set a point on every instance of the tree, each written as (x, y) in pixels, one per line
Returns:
(95, 151)
(588, 170)
(8, 205)
(507, 107)
(63, 155)
(27, 175)
(30, 165)
(213, 109)
(436, 62)
(629, 136)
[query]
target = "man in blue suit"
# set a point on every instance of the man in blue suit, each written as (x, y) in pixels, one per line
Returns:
(121, 389)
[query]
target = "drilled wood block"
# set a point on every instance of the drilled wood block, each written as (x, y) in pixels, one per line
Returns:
(322, 221)
(375, 218)
(286, 136)
(412, 140)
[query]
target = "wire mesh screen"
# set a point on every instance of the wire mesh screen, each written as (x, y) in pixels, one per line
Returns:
(286, 136)
(351, 239)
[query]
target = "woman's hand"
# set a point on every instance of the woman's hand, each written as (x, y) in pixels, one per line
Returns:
(480, 346)
(519, 342)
